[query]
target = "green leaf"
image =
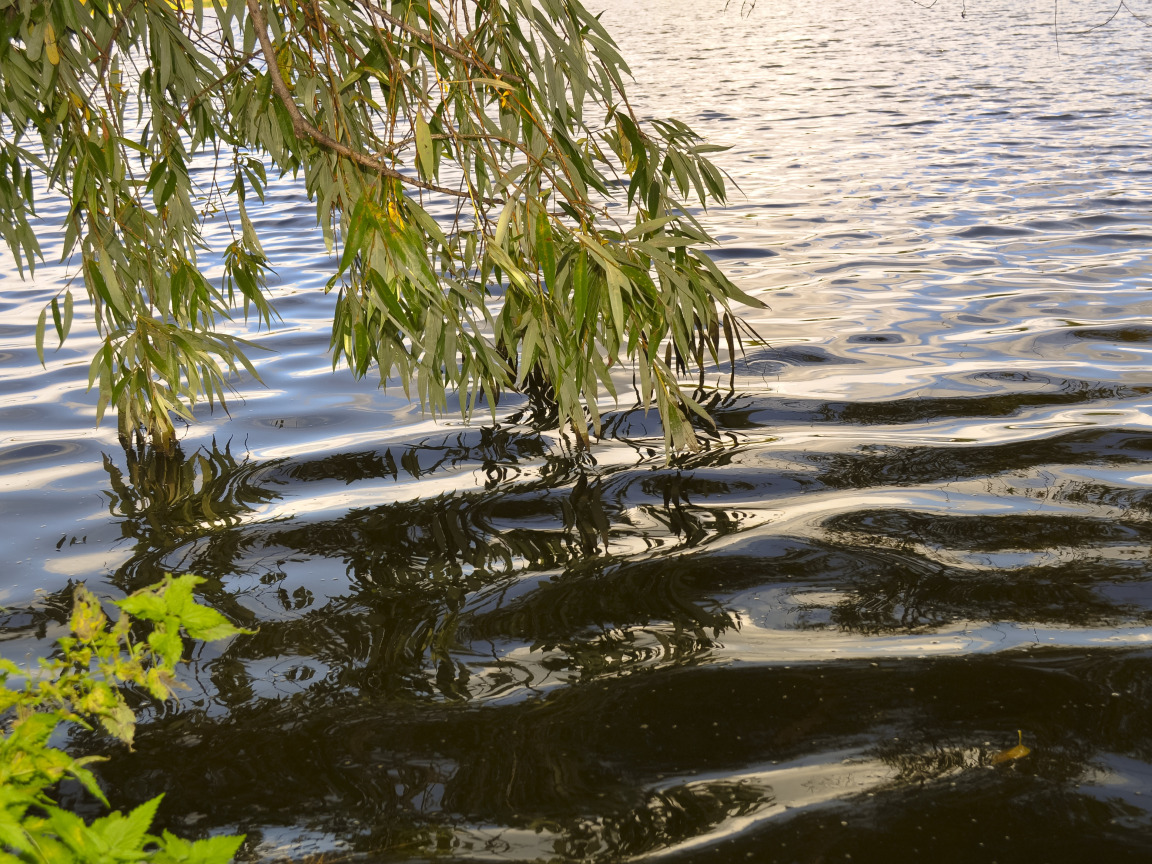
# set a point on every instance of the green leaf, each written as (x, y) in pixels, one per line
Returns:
(177, 593)
(125, 836)
(505, 263)
(581, 287)
(166, 642)
(617, 284)
(200, 622)
(73, 831)
(649, 225)
(144, 605)
(112, 284)
(57, 322)
(41, 325)
(546, 249)
(502, 225)
(424, 147)
(492, 82)
(67, 315)
(213, 850)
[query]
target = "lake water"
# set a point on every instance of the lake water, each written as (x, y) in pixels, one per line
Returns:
(921, 537)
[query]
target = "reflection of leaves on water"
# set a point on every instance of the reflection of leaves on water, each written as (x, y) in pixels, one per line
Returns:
(166, 498)
(429, 578)
(554, 561)
(169, 499)
(664, 819)
(879, 466)
(49, 609)
(419, 711)
(171, 491)
(419, 639)
(386, 773)
(563, 515)
(496, 451)
(609, 599)
(979, 532)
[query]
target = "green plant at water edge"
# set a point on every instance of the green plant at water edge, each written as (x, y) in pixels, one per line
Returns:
(561, 244)
(81, 684)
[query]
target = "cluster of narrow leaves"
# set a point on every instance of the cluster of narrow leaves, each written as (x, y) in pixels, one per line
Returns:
(81, 684)
(504, 219)
(109, 102)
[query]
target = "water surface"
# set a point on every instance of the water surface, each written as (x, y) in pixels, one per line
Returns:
(920, 535)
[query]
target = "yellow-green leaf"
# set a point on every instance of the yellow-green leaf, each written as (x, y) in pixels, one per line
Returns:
(492, 82)
(50, 47)
(424, 148)
(40, 325)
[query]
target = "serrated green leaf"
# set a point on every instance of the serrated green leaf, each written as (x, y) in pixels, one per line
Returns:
(212, 850)
(200, 622)
(125, 835)
(166, 642)
(144, 605)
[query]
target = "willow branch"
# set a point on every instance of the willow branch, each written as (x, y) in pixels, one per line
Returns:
(303, 128)
(211, 87)
(107, 53)
(442, 47)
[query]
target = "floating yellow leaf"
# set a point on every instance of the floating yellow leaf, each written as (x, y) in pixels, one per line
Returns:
(1017, 752)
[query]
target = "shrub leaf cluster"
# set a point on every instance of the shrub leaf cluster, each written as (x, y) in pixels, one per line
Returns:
(82, 684)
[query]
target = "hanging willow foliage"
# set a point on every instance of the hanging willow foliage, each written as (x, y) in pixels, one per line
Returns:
(513, 110)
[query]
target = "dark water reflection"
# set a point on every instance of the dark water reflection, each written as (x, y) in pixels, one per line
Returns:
(595, 662)
(550, 665)
(919, 534)
(803, 763)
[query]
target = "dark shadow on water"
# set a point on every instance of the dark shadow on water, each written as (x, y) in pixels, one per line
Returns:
(1009, 393)
(627, 767)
